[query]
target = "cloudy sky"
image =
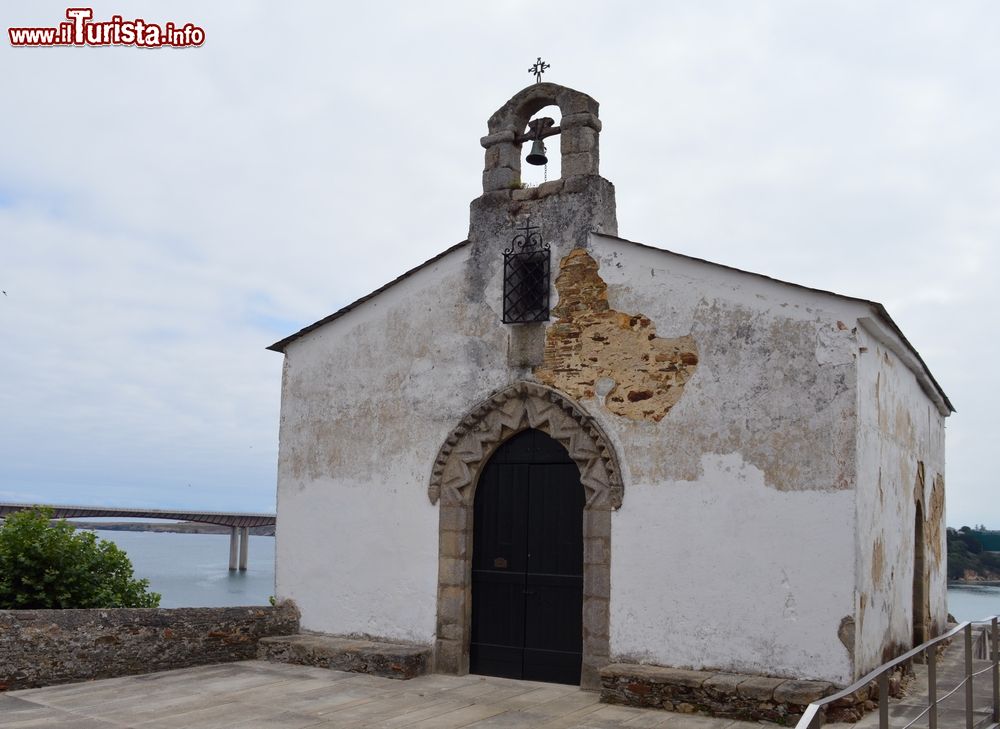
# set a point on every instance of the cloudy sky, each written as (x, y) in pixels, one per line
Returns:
(166, 214)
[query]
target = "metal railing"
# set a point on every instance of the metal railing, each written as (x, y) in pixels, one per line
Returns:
(984, 646)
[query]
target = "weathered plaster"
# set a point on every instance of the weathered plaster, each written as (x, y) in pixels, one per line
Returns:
(592, 347)
(367, 401)
(935, 523)
(774, 379)
(726, 572)
(900, 451)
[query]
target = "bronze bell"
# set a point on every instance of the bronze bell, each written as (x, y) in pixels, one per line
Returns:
(537, 154)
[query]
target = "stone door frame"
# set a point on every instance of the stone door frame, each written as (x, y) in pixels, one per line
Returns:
(453, 483)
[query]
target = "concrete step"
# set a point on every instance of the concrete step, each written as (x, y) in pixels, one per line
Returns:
(389, 660)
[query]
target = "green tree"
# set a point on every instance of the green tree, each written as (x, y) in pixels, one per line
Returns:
(51, 565)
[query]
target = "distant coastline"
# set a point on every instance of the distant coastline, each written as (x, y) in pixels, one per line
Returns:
(184, 527)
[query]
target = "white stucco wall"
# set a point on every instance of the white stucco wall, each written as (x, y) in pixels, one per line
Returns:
(899, 427)
(734, 547)
(367, 401)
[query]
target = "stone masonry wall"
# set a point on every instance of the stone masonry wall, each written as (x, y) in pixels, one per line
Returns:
(46, 647)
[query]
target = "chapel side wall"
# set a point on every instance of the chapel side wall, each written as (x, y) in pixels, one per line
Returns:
(734, 547)
(367, 401)
(899, 429)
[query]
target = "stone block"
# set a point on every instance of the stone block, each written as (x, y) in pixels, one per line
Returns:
(451, 604)
(491, 140)
(580, 119)
(553, 187)
(452, 571)
(580, 139)
(525, 193)
(500, 178)
(595, 644)
(389, 660)
(595, 616)
(759, 688)
(595, 551)
(448, 656)
(597, 523)
(597, 581)
(455, 518)
(579, 163)
(663, 675)
(526, 345)
(724, 683)
(802, 693)
(454, 544)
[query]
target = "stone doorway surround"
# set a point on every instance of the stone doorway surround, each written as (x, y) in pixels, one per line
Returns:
(453, 484)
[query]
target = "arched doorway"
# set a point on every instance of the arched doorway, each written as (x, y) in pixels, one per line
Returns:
(454, 480)
(919, 580)
(527, 563)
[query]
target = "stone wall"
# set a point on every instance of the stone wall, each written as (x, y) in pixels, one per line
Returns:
(46, 647)
(735, 695)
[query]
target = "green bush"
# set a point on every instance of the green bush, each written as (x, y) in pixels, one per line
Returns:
(51, 565)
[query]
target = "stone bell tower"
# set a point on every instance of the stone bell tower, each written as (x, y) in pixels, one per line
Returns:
(567, 209)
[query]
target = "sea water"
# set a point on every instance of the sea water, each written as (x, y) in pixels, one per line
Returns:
(192, 570)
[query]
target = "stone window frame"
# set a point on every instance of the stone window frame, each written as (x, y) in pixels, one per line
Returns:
(455, 475)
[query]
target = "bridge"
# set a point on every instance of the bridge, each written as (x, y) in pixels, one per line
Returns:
(238, 523)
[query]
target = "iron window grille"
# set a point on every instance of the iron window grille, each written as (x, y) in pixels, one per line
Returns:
(526, 277)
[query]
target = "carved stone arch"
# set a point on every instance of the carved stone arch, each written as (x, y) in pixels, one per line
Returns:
(508, 412)
(579, 129)
(454, 476)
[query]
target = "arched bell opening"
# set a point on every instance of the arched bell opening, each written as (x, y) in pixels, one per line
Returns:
(534, 172)
(578, 129)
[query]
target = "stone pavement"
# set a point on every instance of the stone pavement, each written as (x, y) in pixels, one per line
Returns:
(261, 695)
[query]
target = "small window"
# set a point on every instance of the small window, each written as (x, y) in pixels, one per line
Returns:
(526, 278)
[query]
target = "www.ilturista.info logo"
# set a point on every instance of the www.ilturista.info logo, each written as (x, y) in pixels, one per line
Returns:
(81, 30)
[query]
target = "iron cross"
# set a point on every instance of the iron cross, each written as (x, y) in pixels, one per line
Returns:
(538, 69)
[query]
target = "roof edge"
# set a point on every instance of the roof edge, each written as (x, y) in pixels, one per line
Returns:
(280, 345)
(908, 353)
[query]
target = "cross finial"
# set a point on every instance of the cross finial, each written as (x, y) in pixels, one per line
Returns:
(538, 69)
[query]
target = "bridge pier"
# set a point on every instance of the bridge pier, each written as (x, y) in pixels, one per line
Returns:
(244, 547)
(232, 548)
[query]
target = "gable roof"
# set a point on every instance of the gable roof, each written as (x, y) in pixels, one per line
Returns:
(882, 327)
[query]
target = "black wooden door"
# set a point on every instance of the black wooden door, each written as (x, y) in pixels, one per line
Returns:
(527, 563)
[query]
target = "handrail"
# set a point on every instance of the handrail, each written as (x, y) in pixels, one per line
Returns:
(813, 717)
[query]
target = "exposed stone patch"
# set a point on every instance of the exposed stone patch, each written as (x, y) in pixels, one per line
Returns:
(846, 632)
(878, 561)
(591, 343)
(47, 647)
(935, 518)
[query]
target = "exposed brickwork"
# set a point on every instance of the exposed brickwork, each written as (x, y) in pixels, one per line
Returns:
(46, 647)
(593, 350)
